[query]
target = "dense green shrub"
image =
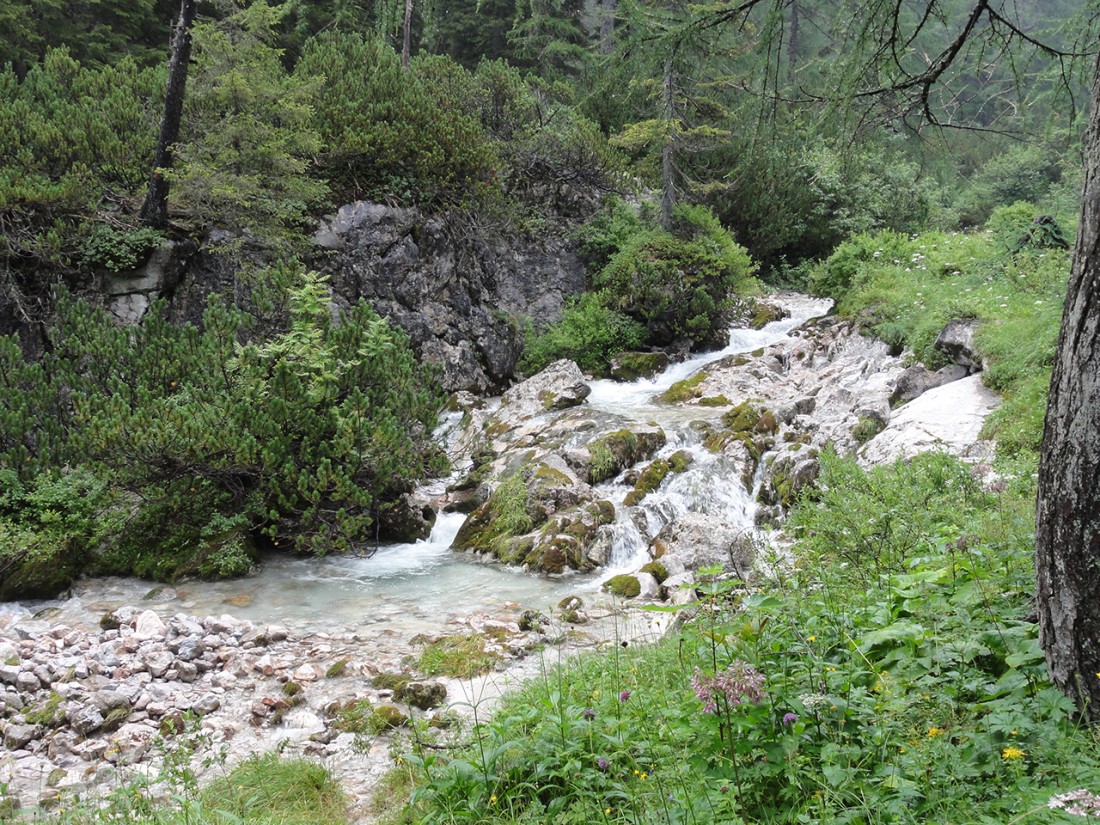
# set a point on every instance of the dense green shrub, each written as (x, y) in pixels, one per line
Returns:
(48, 530)
(388, 132)
(1024, 172)
(589, 333)
(680, 284)
(304, 436)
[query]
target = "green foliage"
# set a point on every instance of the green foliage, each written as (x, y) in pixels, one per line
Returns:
(791, 202)
(304, 436)
(458, 656)
(905, 290)
(589, 333)
(680, 284)
(244, 157)
(270, 789)
(1024, 172)
(608, 231)
(624, 586)
(388, 132)
(49, 528)
(118, 250)
(873, 522)
(921, 697)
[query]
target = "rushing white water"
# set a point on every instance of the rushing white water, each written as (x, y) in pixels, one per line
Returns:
(405, 589)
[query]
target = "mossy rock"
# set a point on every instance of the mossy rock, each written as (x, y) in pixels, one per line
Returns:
(423, 695)
(656, 570)
(680, 460)
(684, 390)
(624, 586)
(622, 449)
(714, 401)
(337, 669)
(32, 576)
(648, 481)
(764, 314)
(504, 516)
(48, 713)
(630, 366)
(386, 717)
(390, 681)
(867, 428)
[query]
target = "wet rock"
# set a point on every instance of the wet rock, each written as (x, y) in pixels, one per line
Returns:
(701, 540)
(914, 382)
(85, 719)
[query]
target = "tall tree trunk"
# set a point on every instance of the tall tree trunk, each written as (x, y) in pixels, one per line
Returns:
(154, 212)
(608, 10)
(668, 150)
(406, 35)
(1067, 529)
(792, 41)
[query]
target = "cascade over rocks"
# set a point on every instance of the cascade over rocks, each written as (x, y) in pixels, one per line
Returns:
(573, 485)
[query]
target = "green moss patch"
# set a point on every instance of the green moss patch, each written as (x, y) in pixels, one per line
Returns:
(624, 586)
(684, 390)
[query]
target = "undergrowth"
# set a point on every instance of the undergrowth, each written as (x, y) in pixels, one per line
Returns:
(919, 696)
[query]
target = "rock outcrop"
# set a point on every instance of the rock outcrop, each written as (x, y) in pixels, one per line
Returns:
(459, 296)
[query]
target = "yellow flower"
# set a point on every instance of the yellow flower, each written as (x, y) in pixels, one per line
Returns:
(1012, 753)
(933, 732)
(811, 638)
(643, 775)
(493, 799)
(607, 811)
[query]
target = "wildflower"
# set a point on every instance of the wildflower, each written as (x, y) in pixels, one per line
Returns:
(602, 764)
(588, 714)
(790, 718)
(1012, 753)
(1081, 802)
(607, 812)
(737, 682)
(933, 732)
(811, 638)
(624, 695)
(493, 799)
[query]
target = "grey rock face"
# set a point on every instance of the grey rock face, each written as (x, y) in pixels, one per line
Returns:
(956, 341)
(456, 294)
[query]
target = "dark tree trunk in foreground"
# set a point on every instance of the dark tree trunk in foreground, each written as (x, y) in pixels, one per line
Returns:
(1067, 530)
(154, 212)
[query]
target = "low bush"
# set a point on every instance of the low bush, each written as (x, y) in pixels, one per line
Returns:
(589, 333)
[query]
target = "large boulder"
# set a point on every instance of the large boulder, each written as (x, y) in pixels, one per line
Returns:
(698, 540)
(956, 341)
(948, 418)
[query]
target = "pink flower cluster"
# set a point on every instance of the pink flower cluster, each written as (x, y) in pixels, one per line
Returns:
(738, 682)
(1081, 802)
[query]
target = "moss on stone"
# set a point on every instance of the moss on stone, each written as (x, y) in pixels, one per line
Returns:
(656, 570)
(867, 428)
(625, 448)
(648, 481)
(630, 366)
(625, 586)
(714, 401)
(390, 681)
(680, 460)
(684, 390)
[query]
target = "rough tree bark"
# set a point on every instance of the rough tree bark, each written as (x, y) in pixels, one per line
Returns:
(406, 35)
(1067, 530)
(154, 212)
(668, 150)
(608, 10)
